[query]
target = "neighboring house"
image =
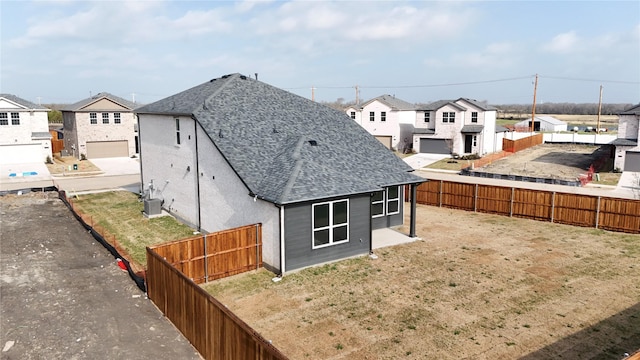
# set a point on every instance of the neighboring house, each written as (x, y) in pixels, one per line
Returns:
(627, 149)
(388, 118)
(235, 151)
(542, 123)
(24, 131)
(462, 126)
(101, 126)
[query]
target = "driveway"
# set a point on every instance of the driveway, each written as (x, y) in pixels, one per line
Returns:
(118, 165)
(64, 297)
(418, 161)
(24, 173)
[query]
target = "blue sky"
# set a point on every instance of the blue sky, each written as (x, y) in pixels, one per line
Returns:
(64, 51)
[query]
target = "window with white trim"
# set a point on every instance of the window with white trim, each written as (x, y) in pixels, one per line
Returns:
(427, 116)
(448, 117)
(474, 117)
(15, 118)
(393, 200)
(93, 118)
(105, 118)
(383, 116)
(353, 115)
(377, 204)
(372, 116)
(330, 223)
(4, 119)
(116, 118)
(177, 131)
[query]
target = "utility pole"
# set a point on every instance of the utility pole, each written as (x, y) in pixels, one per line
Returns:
(39, 100)
(533, 108)
(357, 95)
(133, 97)
(313, 93)
(599, 109)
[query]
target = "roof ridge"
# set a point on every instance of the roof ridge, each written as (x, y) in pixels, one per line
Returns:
(227, 79)
(296, 155)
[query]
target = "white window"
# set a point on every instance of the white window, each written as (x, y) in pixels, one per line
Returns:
(177, 131)
(427, 116)
(15, 118)
(383, 116)
(4, 119)
(353, 115)
(116, 118)
(105, 118)
(330, 223)
(372, 116)
(474, 117)
(93, 118)
(386, 202)
(449, 117)
(393, 200)
(377, 204)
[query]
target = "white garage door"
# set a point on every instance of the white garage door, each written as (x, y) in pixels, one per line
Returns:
(385, 140)
(21, 154)
(105, 149)
(632, 161)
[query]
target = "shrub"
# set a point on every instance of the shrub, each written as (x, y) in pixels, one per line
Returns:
(83, 157)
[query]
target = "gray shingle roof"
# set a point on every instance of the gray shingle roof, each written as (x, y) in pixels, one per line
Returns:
(472, 129)
(423, 131)
(500, 128)
(440, 103)
(479, 104)
(634, 110)
(392, 102)
(103, 95)
(266, 135)
(41, 135)
(22, 102)
(624, 142)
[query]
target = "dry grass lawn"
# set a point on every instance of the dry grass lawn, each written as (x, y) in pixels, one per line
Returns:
(477, 286)
(63, 166)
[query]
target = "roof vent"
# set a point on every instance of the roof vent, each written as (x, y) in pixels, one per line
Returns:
(220, 134)
(313, 143)
(212, 80)
(243, 77)
(275, 130)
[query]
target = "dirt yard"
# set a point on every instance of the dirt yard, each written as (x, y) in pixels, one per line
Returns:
(552, 161)
(477, 286)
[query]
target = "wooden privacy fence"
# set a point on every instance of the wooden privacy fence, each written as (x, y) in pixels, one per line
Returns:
(57, 145)
(213, 329)
(572, 209)
(213, 256)
(521, 144)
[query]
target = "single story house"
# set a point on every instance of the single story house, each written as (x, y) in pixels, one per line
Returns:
(100, 126)
(235, 151)
(627, 148)
(24, 131)
(542, 123)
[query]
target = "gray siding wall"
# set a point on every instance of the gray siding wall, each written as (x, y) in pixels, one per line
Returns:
(298, 234)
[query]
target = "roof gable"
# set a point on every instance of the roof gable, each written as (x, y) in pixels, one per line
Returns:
(102, 102)
(286, 148)
(392, 102)
(634, 110)
(8, 101)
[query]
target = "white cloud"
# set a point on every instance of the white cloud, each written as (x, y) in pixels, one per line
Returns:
(564, 43)
(500, 55)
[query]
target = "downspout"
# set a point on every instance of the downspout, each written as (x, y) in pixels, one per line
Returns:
(282, 267)
(140, 154)
(412, 220)
(195, 128)
(370, 227)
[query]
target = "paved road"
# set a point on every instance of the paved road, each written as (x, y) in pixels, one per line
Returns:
(64, 297)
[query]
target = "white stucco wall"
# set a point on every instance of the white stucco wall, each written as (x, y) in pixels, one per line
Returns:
(224, 200)
(390, 127)
(629, 127)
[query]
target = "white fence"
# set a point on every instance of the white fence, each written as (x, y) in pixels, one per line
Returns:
(595, 139)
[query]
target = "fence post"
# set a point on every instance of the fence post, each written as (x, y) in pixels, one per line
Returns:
(511, 204)
(598, 212)
(440, 194)
(553, 205)
(206, 261)
(257, 247)
(475, 200)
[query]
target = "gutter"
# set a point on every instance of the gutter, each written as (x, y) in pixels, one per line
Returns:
(197, 165)
(282, 261)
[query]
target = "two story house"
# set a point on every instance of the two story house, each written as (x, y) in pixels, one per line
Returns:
(462, 126)
(24, 131)
(103, 125)
(627, 153)
(388, 118)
